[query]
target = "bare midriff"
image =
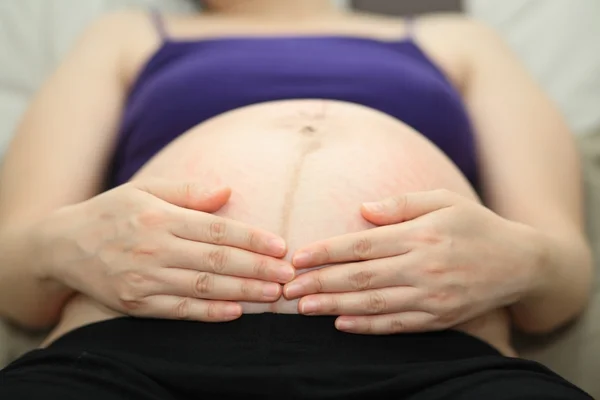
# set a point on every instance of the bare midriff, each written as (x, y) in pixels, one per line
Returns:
(302, 169)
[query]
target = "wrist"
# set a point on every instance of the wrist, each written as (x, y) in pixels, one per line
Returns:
(21, 249)
(537, 249)
(47, 240)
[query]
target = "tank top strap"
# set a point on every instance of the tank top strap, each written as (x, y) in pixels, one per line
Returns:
(411, 25)
(159, 24)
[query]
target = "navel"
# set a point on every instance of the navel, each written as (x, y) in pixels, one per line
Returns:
(308, 131)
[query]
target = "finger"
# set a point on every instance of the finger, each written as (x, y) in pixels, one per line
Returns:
(407, 206)
(387, 241)
(356, 277)
(208, 228)
(203, 285)
(406, 322)
(372, 302)
(185, 308)
(224, 260)
(190, 195)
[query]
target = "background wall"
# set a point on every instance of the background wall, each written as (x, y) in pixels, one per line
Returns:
(559, 41)
(406, 7)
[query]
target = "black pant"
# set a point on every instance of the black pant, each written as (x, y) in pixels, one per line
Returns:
(272, 357)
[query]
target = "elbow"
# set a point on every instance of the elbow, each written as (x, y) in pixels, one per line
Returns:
(566, 296)
(43, 319)
(530, 325)
(33, 317)
(544, 320)
(32, 321)
(545, 316)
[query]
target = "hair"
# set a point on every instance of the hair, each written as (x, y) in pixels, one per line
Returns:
(340, 3)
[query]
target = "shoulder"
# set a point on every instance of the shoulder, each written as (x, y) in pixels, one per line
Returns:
(468, 30)
(128, 37)
(115, 33)
(457, 42)
(118, 26)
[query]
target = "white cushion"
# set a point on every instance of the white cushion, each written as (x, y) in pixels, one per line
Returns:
(34, 37)
(559, 42)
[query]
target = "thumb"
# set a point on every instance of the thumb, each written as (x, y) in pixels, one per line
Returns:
(190, 195)
(407, 206)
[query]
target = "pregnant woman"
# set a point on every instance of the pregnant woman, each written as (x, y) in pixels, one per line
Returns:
(284, 200)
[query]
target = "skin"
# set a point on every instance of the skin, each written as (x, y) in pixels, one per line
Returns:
(529, 166)
(307, 178)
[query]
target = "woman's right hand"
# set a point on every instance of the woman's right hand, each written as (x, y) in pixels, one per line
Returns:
(154, 250)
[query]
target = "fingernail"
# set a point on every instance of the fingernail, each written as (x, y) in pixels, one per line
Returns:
(232, 311)
(294, 290)
(345, 325)
(271, 291)
(215, 191)
(285, 275)
(309, 307)
(301, 259)
(375, 208)
(277, 245)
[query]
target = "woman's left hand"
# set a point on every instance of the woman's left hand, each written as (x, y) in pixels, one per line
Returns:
(436, 260)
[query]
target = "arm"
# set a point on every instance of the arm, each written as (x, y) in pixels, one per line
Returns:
(531, 174)
(58, 157)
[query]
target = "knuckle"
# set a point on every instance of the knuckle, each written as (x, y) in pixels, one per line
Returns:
(217, 231)
(444, 305)
(188, 192)
(252, 239)
(445, 193)
(323, 254)
(327, 252)
(260, 267)
(332, 304)
(430, 234)
(131, 287)
(131, 306)
(362, 248)
(370, 326)
(450, 312)
(398, 325)
(183, 308)
(362, 280)
(247, 290)
(134, 279)
(217, 260)
(320, 283)
(203, 284)
(143, 251)
(435, 269)
(450, 316)
(376, 303)
(400, 202)
(448, 242)
(441, 298)
(152, 218)
(212, 311)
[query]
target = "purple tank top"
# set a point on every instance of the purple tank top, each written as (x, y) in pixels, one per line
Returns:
(187, 82)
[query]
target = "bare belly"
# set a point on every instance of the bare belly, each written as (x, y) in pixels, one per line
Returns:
(301, 169)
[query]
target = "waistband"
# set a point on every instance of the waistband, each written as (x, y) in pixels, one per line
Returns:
(267, 334)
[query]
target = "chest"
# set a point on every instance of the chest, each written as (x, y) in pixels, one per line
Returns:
(186, 83)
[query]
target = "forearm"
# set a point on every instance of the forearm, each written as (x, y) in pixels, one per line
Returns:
(560, 285)
(26, 298)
